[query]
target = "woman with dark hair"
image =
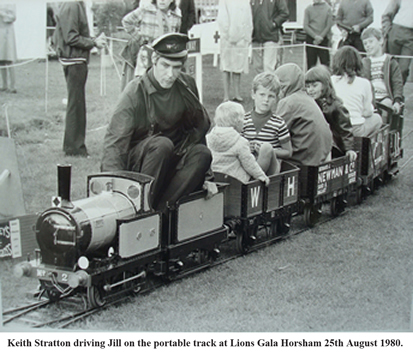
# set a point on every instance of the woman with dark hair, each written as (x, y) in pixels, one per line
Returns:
(355, 91)
(144, 24)
(319, 86)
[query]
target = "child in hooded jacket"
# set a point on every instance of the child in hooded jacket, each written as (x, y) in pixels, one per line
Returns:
(311, 137)
(231, 153)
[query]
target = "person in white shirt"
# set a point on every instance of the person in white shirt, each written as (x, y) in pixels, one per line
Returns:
(355, 91)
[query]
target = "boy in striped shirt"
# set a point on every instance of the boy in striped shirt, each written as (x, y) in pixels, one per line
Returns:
(267, 133)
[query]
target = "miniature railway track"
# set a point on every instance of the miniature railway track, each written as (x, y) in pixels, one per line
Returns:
(20, 311)
(36, 315)
(29, 316)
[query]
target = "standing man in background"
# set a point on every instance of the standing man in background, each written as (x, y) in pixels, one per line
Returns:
(318, 20)
(397, 25)
(268, 17)
(73, 45)
(187, 8)
(354, 16)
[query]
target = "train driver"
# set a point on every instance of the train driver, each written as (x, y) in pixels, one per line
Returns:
(158, 127)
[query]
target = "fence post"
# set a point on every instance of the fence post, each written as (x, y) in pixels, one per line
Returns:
(305, 57)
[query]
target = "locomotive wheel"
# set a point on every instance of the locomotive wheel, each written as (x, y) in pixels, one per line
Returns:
(240, 243)
(337, 206)
(359, 194)
(283, 225)
(371, 186)
(244, 239)
(94, 297)
(387, 177)
(274, 228)
(311, 214)
(379, 181)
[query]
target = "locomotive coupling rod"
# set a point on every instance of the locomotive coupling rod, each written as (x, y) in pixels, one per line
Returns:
(108, 288)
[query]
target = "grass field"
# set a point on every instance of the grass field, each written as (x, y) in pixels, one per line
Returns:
(351, 274)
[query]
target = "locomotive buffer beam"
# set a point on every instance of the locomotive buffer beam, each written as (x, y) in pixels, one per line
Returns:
(108, 288)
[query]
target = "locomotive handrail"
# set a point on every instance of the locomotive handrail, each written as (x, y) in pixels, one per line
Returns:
(108, 288)
(123, 174)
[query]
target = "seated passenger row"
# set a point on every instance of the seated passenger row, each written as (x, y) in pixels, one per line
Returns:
(306, 129)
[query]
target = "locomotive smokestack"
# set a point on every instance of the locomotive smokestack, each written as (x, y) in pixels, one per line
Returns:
(64, 174)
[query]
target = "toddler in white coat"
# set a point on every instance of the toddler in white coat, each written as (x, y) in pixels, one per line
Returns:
(231, 152)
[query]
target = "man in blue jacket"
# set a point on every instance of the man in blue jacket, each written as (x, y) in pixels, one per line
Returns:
(73, 44)
(158, 127)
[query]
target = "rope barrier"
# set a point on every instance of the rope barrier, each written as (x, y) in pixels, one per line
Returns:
(98, 128)
(281, 46)
(211, 50)
(18, 64)
(295, 45)
(117, 39)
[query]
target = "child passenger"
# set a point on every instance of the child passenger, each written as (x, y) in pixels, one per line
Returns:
(311, 137)
(383, 71)
(319, 86)
(268, 134)
(231, 153)
(355, 91)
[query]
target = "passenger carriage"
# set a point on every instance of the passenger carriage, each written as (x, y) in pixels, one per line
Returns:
(373, 162)
(328, 182)
(253, 205)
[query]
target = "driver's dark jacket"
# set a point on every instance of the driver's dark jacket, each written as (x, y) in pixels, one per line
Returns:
(134, 120)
